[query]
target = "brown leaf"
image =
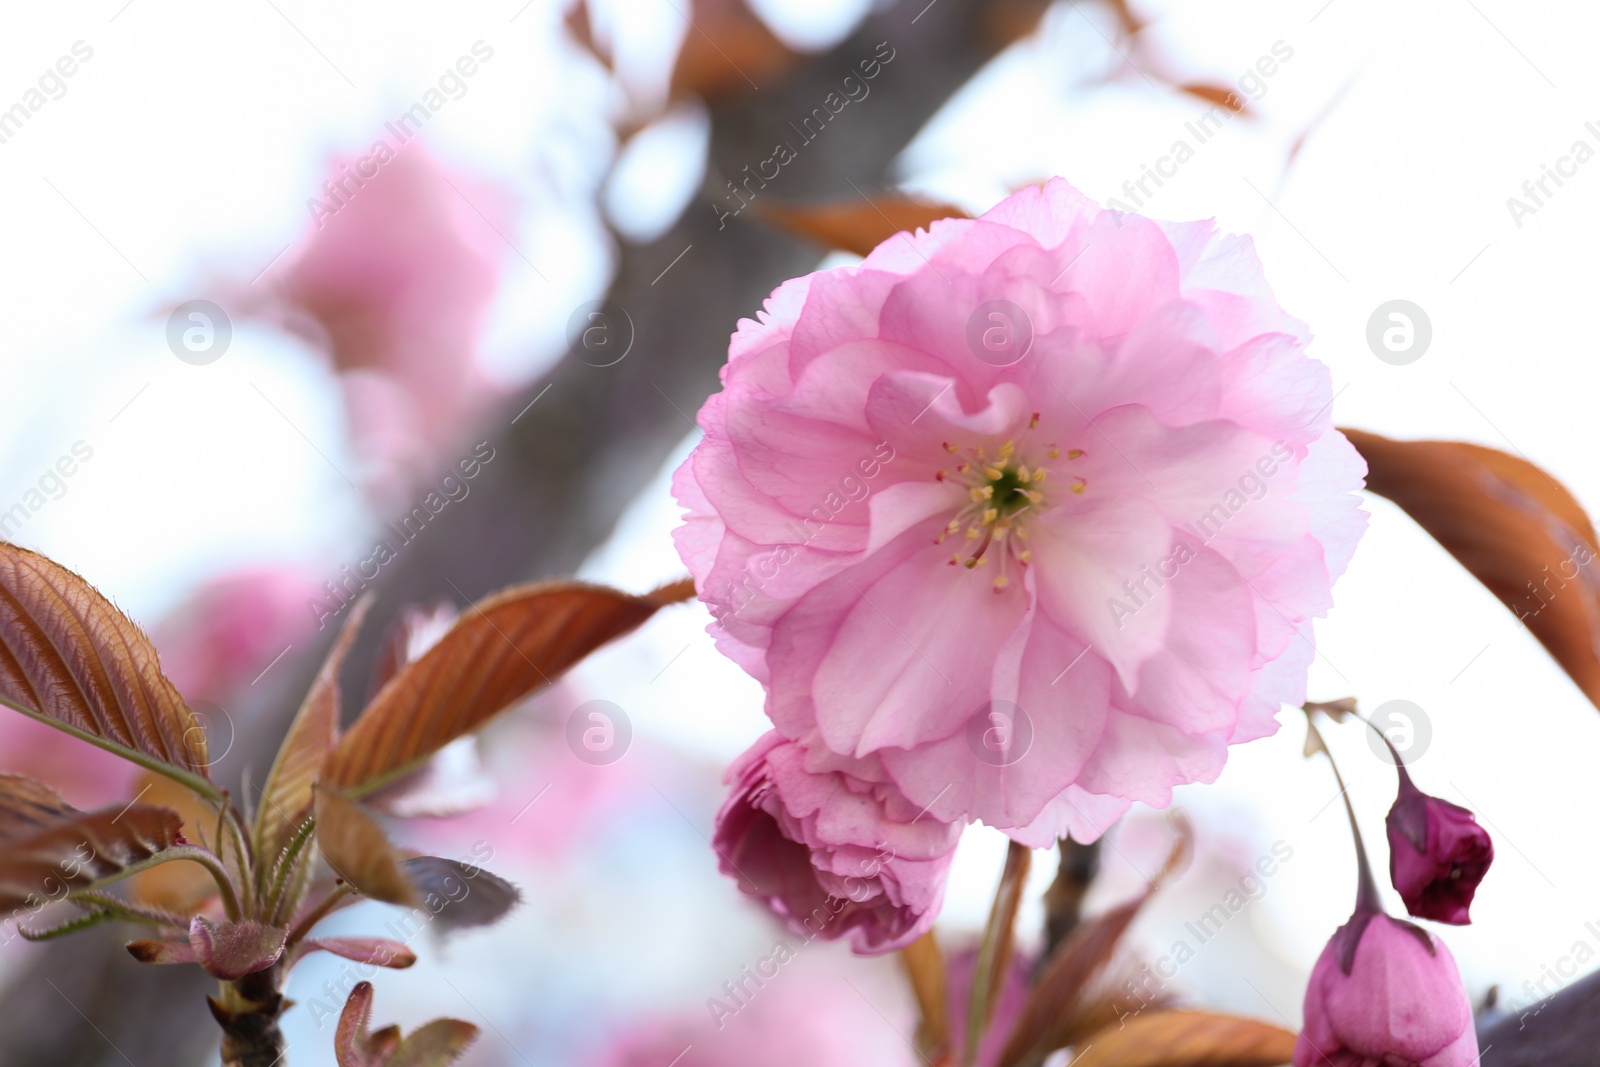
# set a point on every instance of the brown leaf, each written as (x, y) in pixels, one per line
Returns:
(727, 51)
(924, 965)
(181, 888)
(501, 650)
(434, 1044)
(582, 29)
(1188, 1039)
(858, 225)
(1216, 94)
(286, 799)
(1005, 22)
(161, 951)
(359, 851)
(1520, 532)
(49, 848)
(71, 659)
(1061, 1010)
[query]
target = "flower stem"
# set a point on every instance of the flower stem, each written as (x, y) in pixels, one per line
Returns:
(1367, 898)
(994, 953)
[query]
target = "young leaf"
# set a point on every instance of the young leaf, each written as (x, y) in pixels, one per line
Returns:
(1519, 531)
(359, 851)
(459, 895)
(1060, 1011)
(858, 225)
(286, 798)
(230, 951)
(501, 650)
(435, 1044)
(69, 658)
(49, 848)
(1188, 1039)
(161, 951)
(378, 951)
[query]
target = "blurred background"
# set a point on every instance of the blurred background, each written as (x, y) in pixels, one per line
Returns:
(407, 222)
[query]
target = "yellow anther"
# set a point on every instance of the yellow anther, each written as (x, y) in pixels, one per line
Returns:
(1074, 453)
(972, 533)
(1001, 582)
(1053, 452)
(990, 514)
(1079, 486)
(992, 472)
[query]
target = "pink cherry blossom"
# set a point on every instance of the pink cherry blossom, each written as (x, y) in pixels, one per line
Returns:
(833, 854)
(1056, 464)
(1385, 991)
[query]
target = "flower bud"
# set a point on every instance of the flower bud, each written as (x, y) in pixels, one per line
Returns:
(1437, 854)
(1386, 991)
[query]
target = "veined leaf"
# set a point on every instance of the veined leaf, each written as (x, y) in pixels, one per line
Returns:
(497, 653)
(1188, 1039)
(69, 658)
(49, 848)
(858, 225)
(359, 851)
(286, 799)
(435, 1044)
(1519, 531)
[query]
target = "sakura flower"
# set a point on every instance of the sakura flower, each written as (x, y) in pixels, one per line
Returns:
(1055, 460)
(834, 854)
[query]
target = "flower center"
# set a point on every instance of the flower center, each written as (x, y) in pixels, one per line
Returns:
(1002, 491)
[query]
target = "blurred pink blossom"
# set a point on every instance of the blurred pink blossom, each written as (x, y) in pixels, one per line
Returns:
(395, 280)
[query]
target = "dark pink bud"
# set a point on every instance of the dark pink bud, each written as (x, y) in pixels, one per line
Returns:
(833, 853)
(1437, 854)
(1385, 991)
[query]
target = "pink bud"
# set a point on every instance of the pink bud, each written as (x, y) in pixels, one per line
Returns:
(833, 849)
(1437, 854)
(1386, 991)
